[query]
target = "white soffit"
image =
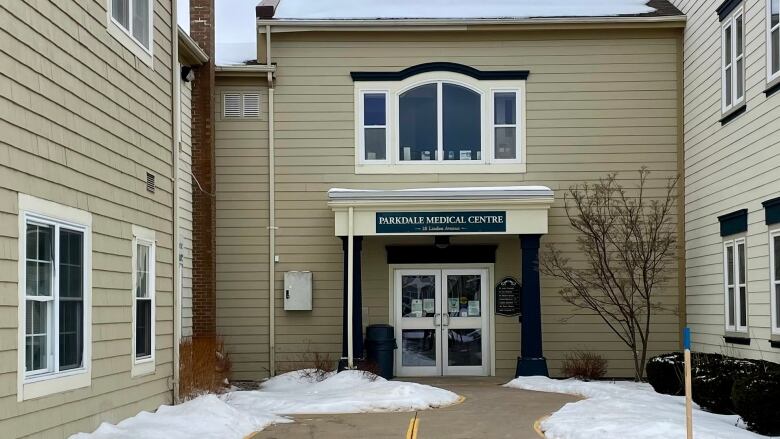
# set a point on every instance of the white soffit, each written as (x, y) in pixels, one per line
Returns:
(464, 193)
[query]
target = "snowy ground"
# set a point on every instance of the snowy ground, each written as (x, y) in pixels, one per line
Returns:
(626, 410)
(237, 414)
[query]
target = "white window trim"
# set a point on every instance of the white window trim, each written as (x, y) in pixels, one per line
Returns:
(731, 21)
(362, 127)
(146, 365)
(518, 125)
(124, 36)
(487, 163)
(30, 387)
(735, 328)
(775, 319)
(770, 76)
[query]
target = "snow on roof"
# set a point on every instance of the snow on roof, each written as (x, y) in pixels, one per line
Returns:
(453, 9)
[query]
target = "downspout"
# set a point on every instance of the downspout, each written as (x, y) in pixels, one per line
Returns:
(176, 139)
(271, 214)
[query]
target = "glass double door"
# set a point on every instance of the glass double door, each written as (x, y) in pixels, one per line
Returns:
(441, 322)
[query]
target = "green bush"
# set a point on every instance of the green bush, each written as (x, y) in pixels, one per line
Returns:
(665, 373)
(755, 400)
(713, 380)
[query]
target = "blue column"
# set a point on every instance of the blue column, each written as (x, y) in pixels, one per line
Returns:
(357, 301)
(531, 360)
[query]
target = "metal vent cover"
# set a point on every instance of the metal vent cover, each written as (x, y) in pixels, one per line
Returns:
(251, 105)
(150, 185)
(232, 105)
(236, 105)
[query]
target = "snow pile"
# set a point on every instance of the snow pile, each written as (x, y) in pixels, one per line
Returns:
(375, 9)
(236, 414)
(621, 410)
(346, 392)
(204, 417)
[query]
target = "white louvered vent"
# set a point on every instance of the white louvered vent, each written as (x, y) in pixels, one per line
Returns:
(150, 185)
(251, 105)
(232, 105)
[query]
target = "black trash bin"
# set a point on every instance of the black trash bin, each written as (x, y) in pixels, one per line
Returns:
(380, 344)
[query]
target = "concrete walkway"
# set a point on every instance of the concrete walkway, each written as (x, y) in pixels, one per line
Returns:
(488, 412)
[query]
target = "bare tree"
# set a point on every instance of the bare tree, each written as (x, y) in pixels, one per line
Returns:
(627, 240)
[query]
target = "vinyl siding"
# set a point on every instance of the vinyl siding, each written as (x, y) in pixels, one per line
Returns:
(598, 102)
(242, 232)
(727, 168)
(81, 122)
(185, 207)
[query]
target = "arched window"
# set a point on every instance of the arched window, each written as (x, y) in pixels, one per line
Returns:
(439, 118)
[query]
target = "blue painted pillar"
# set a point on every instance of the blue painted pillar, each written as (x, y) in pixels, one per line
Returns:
(357, 301)
(531, 360)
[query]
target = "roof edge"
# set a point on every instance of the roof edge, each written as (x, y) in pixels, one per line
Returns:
(189, 50)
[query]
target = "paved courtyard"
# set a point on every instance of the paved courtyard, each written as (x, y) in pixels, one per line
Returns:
(489, 411)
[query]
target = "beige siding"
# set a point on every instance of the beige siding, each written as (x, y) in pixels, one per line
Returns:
(727, 168)
(598, 102)
(242, 233)
(185, 207)
(81, 122)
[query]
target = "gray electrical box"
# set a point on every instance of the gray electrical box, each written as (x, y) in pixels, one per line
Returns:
(297, 291)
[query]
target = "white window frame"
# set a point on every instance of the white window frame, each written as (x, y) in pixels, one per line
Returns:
(38, 384)
(362, 127)
(729, 24)
(144, 365)
(774, 281)
(737, 285)
(770, 75)
(517, 125)
(125, 36)
(487, 162)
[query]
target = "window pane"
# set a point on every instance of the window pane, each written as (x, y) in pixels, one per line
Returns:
(120, 10)
(418, 347)
(375, 143)
(739, 36)
(464, 347)
(506, 143)
(464, 295)
(740, 77)
(374, 108)
(741, 252)
(418, 129)
(142, 271)
(728, 80)
(505, 106)
(71, 263)
(71, 333)
(775, 12)
(727, 44)
(143, 328)
(775, 50)
(462, 123)
(36, 328)
(777, 257)
(731, 306)
(742, 306)
(418, 296)
(141, 21)
(730, 265)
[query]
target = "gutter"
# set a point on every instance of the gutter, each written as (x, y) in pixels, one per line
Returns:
(189, 49)
(245, 70)
(289, 25)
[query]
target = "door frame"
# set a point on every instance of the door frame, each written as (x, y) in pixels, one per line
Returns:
(491, 320)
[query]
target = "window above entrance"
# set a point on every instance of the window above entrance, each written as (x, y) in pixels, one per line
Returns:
(440, 118)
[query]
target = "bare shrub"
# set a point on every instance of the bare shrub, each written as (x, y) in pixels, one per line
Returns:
(204, 367)
(585, 366)
(317, 366)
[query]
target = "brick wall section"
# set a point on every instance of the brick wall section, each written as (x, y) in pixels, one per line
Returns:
(204, 204)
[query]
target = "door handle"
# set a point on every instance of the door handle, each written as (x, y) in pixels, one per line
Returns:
(437, 319)
(448, 320)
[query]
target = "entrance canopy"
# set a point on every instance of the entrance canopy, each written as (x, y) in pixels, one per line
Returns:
(515, 210)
